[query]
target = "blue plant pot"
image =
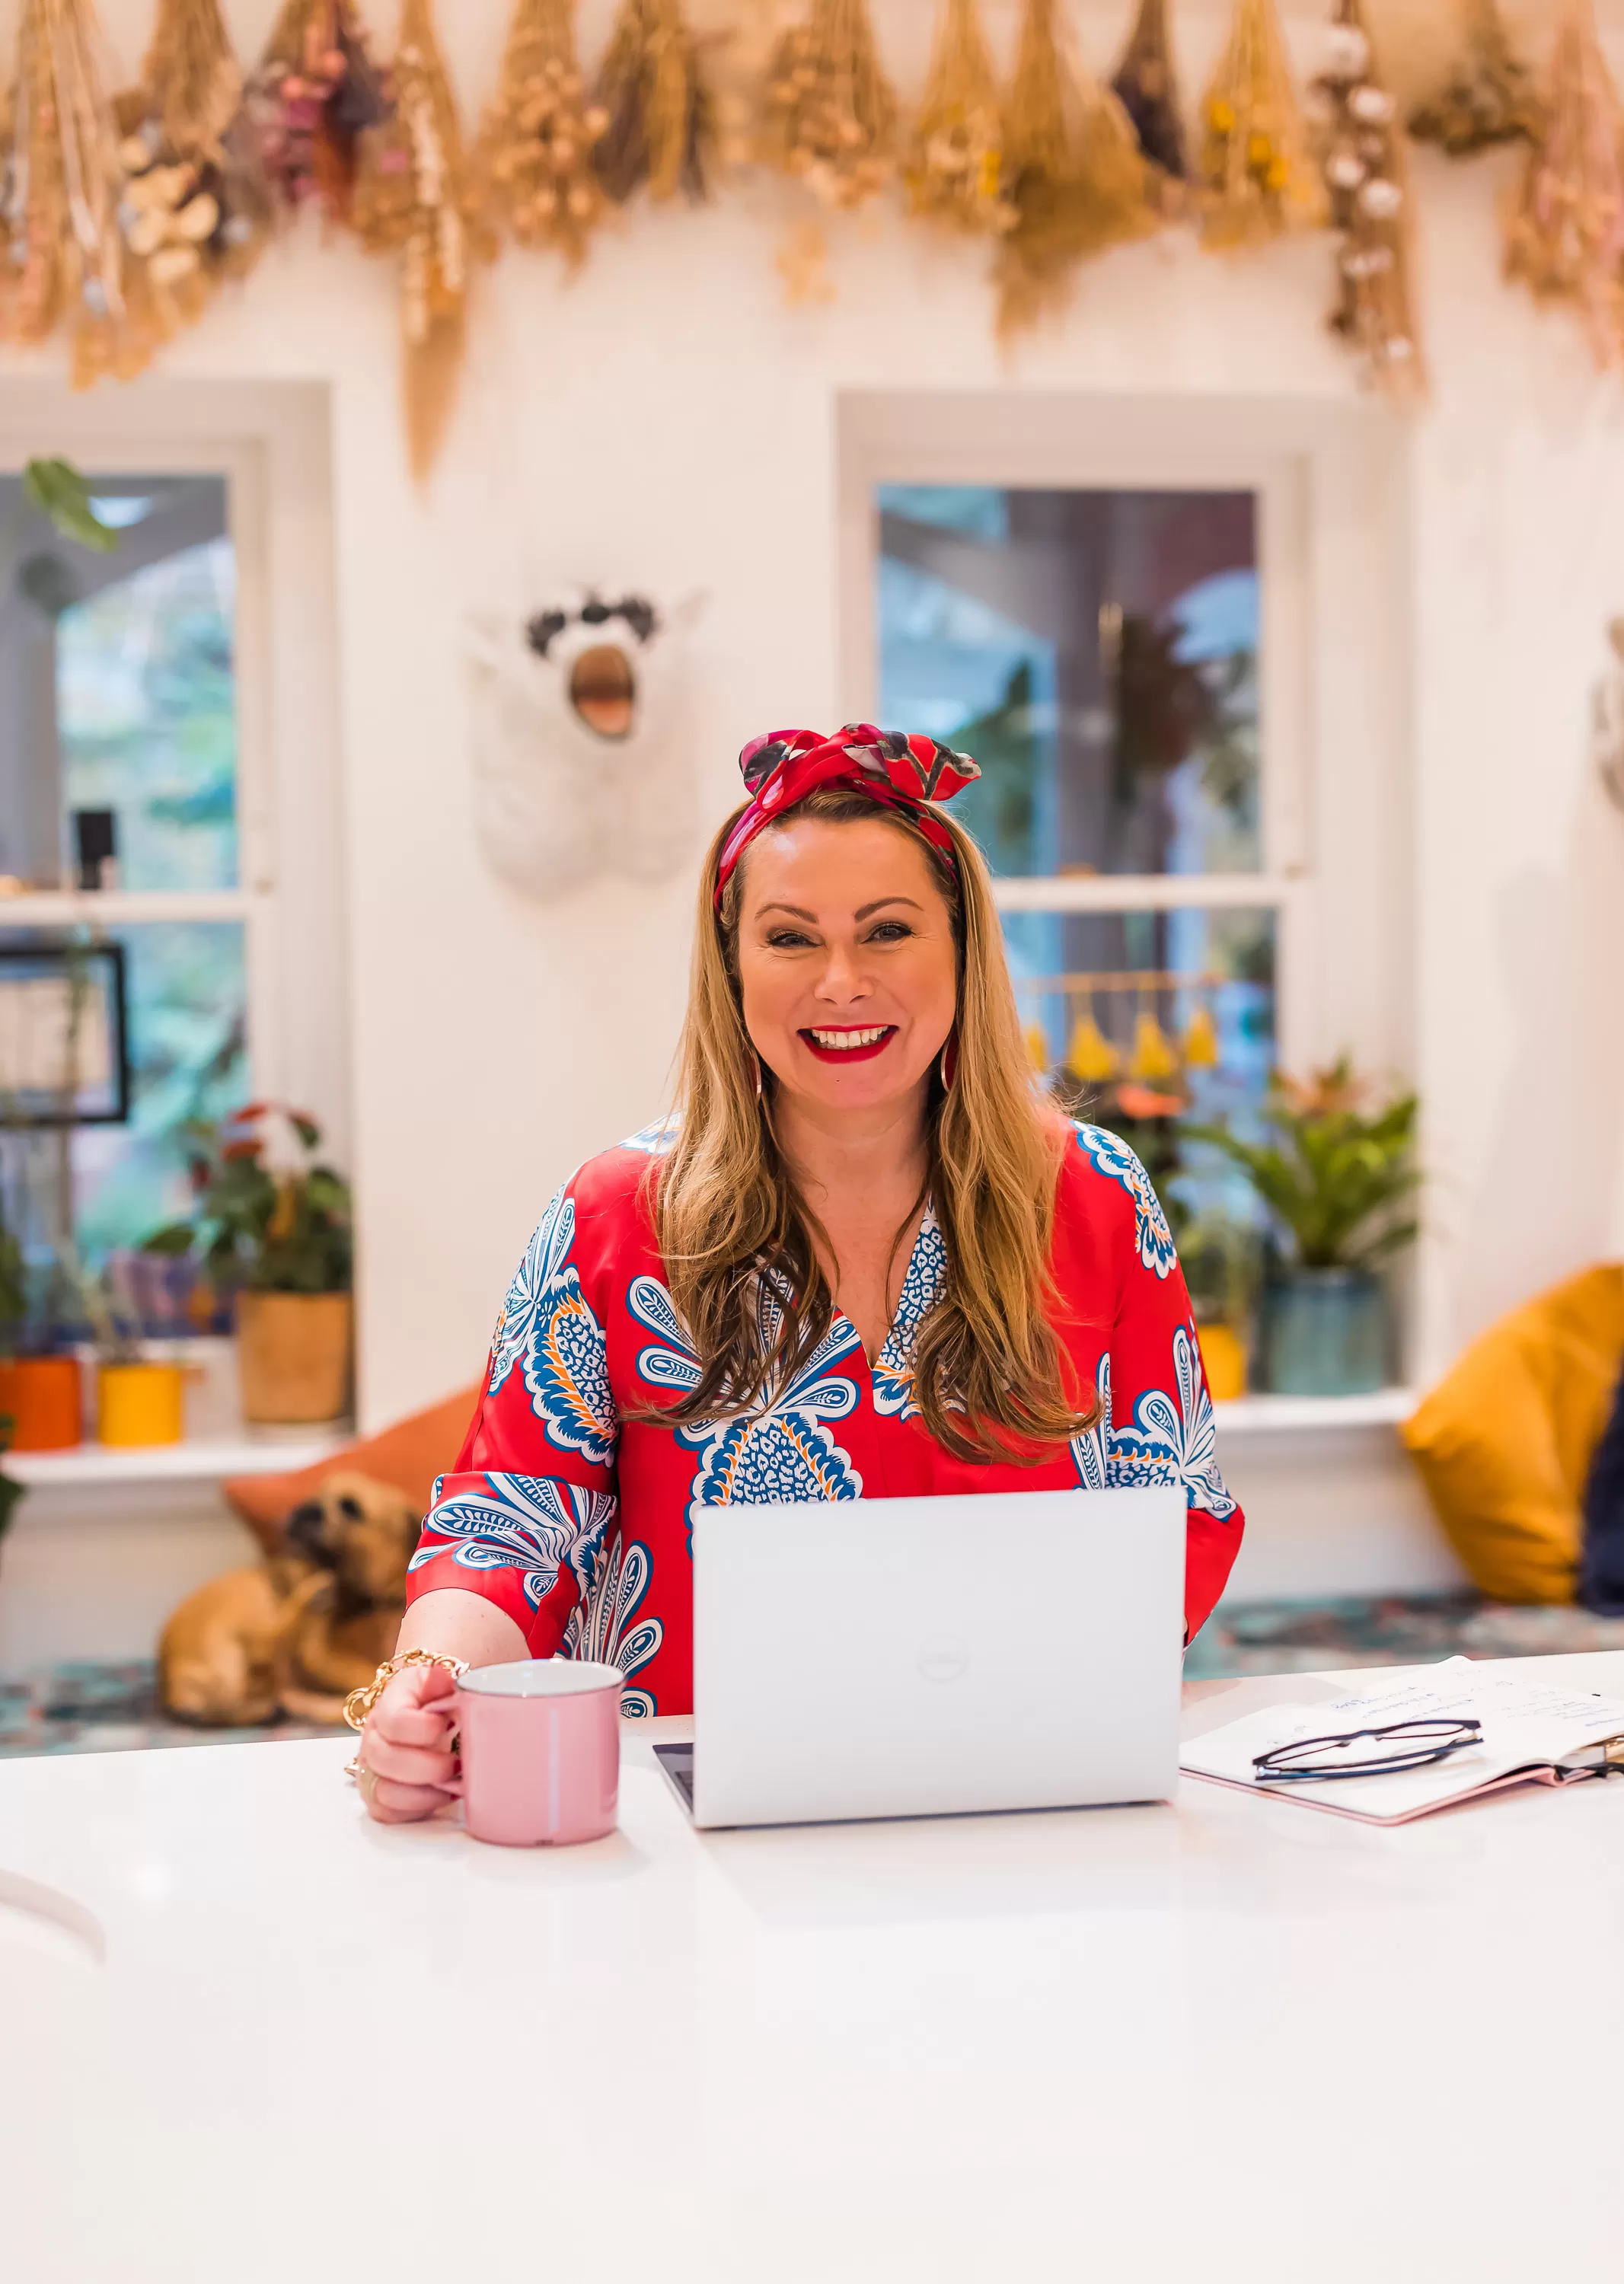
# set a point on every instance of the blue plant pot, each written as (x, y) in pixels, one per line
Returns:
(1325, 1332)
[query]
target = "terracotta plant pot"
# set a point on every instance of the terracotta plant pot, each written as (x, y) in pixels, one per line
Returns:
(139, 1404)
(43, 1397)
(292, 1354)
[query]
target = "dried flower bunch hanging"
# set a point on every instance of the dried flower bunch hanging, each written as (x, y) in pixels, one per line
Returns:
(315, 94)
(955, 167)
(1077, 179)
(534, 166)
(1489, 96)
(1256, 166)
(1369, 197)
(661, 121)
(1566, 236)
(62, 185)
(829, 113)
(196, 207)
(1146, 86)
(412, 198)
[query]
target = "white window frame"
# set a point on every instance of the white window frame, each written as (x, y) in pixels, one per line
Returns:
(1329, 532)
(270, 445)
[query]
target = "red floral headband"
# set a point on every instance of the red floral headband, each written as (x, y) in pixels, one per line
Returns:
(898, 772)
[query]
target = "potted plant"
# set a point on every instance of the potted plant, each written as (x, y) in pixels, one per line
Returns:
(1334, 1175)
(272, 1225)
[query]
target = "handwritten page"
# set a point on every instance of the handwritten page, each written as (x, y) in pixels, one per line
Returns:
(1532, 1727)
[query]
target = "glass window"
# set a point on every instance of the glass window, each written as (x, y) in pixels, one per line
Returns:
(1098, 652)
(119, 777)
(118, 693)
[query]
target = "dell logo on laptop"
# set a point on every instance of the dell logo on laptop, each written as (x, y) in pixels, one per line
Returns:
(943, 1658)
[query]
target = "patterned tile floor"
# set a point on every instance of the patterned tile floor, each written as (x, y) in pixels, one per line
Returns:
(89, 1708)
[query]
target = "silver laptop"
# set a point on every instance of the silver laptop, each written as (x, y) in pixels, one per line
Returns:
(934, 1657)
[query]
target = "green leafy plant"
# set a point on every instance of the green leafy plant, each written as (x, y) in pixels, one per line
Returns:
(1333, 1174)
(270, 1227)
(59, 492)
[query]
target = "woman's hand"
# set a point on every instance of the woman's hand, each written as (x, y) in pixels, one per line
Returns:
(406, 1747)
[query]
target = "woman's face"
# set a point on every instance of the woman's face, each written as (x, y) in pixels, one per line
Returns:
(846, 963)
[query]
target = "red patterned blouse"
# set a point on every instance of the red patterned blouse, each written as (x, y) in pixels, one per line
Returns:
(576, 1519)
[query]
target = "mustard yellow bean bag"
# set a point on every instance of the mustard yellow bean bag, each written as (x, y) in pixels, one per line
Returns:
(1505, 1443)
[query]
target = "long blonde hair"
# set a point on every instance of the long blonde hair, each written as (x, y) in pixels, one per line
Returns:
(991, 1377)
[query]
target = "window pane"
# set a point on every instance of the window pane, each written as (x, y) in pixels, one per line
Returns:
(1145, 1022)
(118, 701)
(188, 1002)
(1098, 652)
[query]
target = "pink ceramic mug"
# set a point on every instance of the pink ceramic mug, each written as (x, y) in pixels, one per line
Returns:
(540, 1751)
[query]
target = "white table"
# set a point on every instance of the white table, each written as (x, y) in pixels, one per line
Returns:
(248, 2036)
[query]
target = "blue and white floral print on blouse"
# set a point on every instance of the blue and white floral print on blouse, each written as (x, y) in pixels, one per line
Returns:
(527, 1522)
(927, 1266)
(1114, 1159)
(1091, 1450)
(1174, 1439)
(656, 1141)
(782, 1452)
(600, 1629)
(547, 1326)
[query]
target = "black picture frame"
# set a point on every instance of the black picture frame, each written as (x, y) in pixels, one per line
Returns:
(39, 1109)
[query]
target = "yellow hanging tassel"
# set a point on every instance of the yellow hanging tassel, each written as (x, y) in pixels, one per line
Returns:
(1154, 1059)
(1091, 1057)
(1201, 1051)
(1037, 1048)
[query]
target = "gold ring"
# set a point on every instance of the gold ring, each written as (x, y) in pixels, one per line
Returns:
(366, 1779)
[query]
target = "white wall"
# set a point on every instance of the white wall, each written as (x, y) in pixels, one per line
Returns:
(667, 421)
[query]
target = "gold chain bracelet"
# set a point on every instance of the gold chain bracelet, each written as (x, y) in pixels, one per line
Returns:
(360, 1701)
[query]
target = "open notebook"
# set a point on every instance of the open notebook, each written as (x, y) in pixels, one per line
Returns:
(1534, 1731)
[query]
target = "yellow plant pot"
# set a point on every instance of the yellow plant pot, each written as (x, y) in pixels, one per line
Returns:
(140, 1403)
(1223, 1352)
(292, 1355)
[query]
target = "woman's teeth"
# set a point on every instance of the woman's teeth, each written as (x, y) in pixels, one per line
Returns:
(839, 1039)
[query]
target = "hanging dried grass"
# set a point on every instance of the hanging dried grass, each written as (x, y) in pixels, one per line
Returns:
(1565, 238)
(828, 111)
(661, 120)
(1489, 97)
(1146, 86)
(1256, 168)
(1077, 179)
(1369, 196)
(197, 208)
(534, 175)
(955, 169)
(65, 262)
(315, 94)
(412, 198)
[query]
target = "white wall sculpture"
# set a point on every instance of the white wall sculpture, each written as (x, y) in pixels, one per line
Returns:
(581, 761)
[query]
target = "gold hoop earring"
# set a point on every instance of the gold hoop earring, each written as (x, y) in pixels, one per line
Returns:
(759, 1089)
(947, 1065)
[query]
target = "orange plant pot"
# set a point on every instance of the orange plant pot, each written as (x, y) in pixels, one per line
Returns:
(1224, 1355)
(44, 1401)
(292, 1354)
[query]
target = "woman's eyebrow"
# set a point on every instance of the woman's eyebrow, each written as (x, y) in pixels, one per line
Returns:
(880, 903)
(794, 912)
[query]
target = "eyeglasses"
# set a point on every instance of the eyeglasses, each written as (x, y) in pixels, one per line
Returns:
(1402, 1745)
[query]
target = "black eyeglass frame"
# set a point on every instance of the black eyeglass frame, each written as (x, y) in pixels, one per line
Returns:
(1276, 1767)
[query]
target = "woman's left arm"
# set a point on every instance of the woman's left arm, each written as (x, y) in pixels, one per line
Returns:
(1160, 1424)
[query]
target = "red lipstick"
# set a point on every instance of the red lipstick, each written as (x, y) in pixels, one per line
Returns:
(865, 1054)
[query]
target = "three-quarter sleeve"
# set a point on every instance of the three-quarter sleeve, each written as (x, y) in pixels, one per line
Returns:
(523, 1516)
(1159, 1424)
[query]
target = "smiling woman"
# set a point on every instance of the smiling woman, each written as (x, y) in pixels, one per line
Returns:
(864, 1256)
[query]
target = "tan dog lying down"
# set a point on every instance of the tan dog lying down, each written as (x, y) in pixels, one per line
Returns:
(297, 1633)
